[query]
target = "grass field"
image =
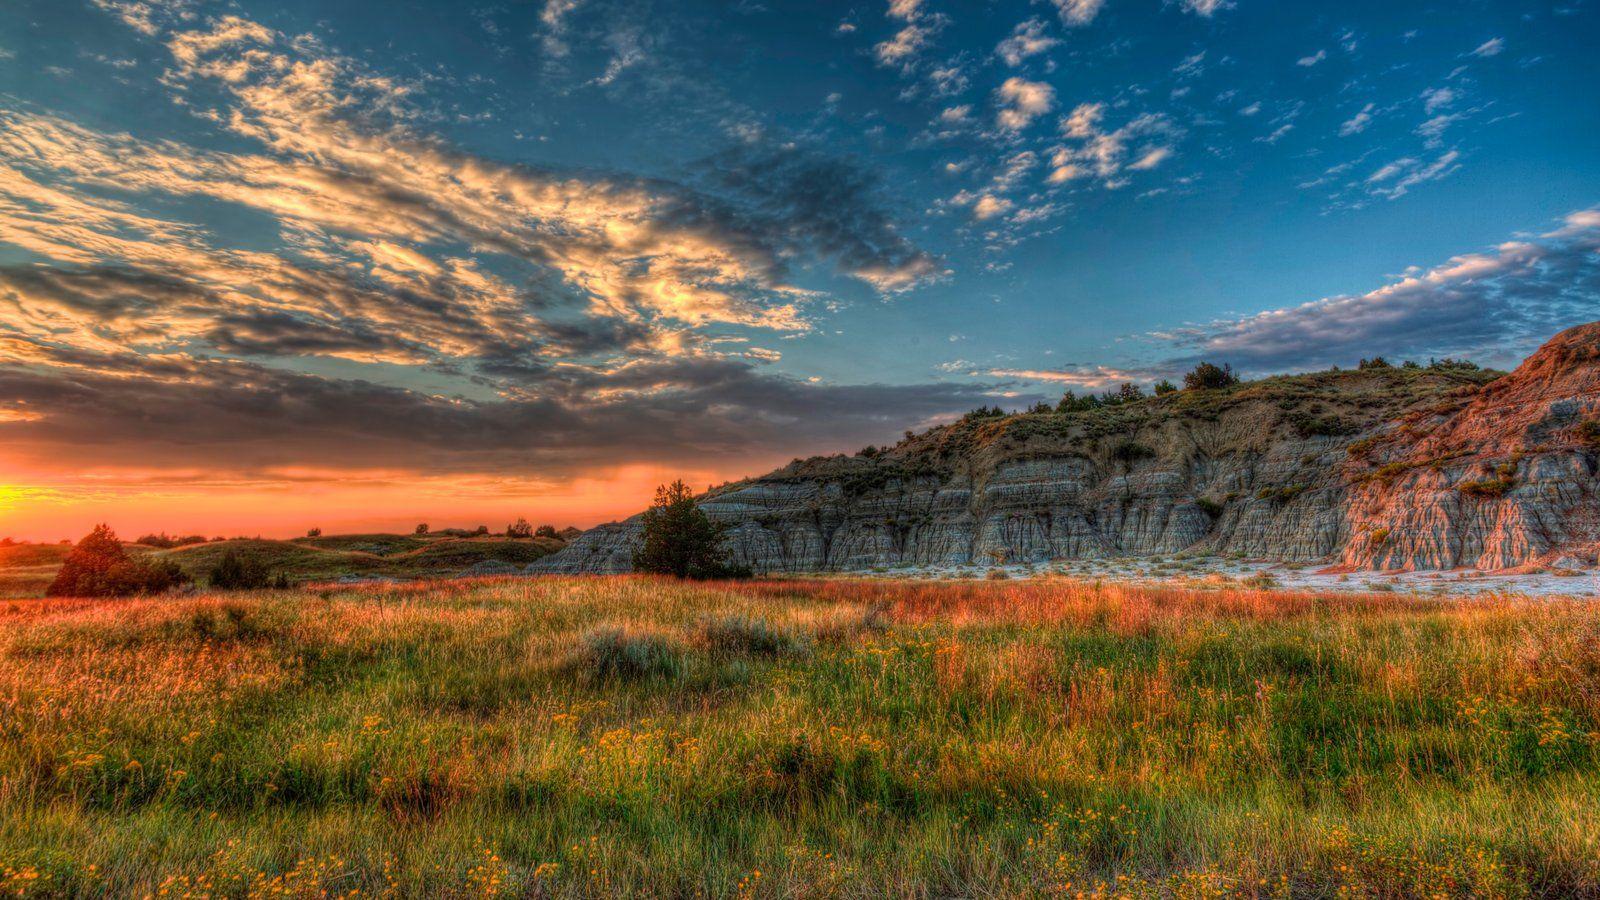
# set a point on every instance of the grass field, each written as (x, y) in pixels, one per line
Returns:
(606, 736)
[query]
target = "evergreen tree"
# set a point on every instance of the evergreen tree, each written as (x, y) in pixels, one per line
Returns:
(99, 567)
(680, 540)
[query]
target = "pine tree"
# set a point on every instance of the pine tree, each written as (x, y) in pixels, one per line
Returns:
(680, 540)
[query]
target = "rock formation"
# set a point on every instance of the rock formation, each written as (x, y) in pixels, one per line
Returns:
(1384, 467)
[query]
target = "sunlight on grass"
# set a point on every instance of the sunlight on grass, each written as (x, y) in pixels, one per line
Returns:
(605, 736)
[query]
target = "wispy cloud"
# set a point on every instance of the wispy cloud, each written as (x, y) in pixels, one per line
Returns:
(1493, 306)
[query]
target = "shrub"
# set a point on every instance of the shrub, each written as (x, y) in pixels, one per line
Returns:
(1071, 402)
(1281, 494)
(164, 541)
(422, 528)
(99, 567)
(1486, 488)
(1164, 387)
(613, 654)
(1377, 362)
(481, 530)
(747, 634)
(1131, 451)
(1312, 426)
(519, 529)
(997, 575)
(1377, 537)
(1588, 433)
(546, 531)
(1363, 446)
(236, 572)
(1210, 507)
(1207, 376)
(314, 533)
(680, 540)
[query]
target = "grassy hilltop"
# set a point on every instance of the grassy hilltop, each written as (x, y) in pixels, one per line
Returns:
(26, 569)
(608, 736)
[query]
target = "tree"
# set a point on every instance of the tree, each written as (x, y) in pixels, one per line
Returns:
(99, 567)
(546, 531)
(314, 533)
(481, 530)
(422, 529)
(519, 529)
(680, 540)
(235, 572)
(1377, 362)
(1164, 387)
(1208, 377)
(1129, 392)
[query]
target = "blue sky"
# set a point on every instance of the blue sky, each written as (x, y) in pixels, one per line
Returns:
(247, 239)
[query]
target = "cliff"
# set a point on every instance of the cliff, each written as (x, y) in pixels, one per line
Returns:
(1431, 467)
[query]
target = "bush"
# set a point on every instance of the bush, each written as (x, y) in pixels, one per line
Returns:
(164, 541)
(99, 567)
(1588, 433)
(746, 634)
(422, 529)
(519, 529)
(612, 654)
(235, 572)
(1129, 452)
(679, 539)
(1164, 387)
(1071, 402)
(546, 531)
(481, 530)
(1210, 507)
(1486, 488)
(1206, 377)
(1377, 362)
(314, 533)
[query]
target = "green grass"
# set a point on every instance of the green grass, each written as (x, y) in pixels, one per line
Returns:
(614, 736)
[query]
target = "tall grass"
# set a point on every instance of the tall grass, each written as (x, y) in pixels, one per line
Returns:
(604, 736)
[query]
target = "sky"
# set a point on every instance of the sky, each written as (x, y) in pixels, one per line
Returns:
(267, 266)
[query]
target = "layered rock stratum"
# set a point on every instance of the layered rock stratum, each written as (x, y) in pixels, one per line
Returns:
(1435, 467)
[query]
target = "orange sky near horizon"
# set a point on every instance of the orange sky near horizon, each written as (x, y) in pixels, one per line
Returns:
(53, 509)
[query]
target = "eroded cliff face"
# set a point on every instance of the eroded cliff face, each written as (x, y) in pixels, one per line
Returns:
(1509, 481)
(1374, 469)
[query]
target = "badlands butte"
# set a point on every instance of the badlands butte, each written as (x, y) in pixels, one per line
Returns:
(1381, 468)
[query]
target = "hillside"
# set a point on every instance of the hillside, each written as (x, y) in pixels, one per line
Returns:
(1281, 468)
(26, 569)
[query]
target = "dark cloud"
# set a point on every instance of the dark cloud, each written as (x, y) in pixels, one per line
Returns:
(178, 412)
(831, 206)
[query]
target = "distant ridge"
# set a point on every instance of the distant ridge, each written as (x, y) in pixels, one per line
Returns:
(1378, 468)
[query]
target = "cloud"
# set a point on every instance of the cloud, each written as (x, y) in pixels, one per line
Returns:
(902, 49)
(564, 312)
(1493, 306)
(1104, 154)
(1313, 59)
(1093, 378)
(1022, 101)
(1206, 8)
(1491, 47)
(1395, 179)
(1434, 99)
(989, 206)
(554, 18)
(1433, 129)
(1078, 12)
(1358, 122)
(1028, 39)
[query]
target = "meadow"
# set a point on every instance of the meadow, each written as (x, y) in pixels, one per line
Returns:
(629, 735)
